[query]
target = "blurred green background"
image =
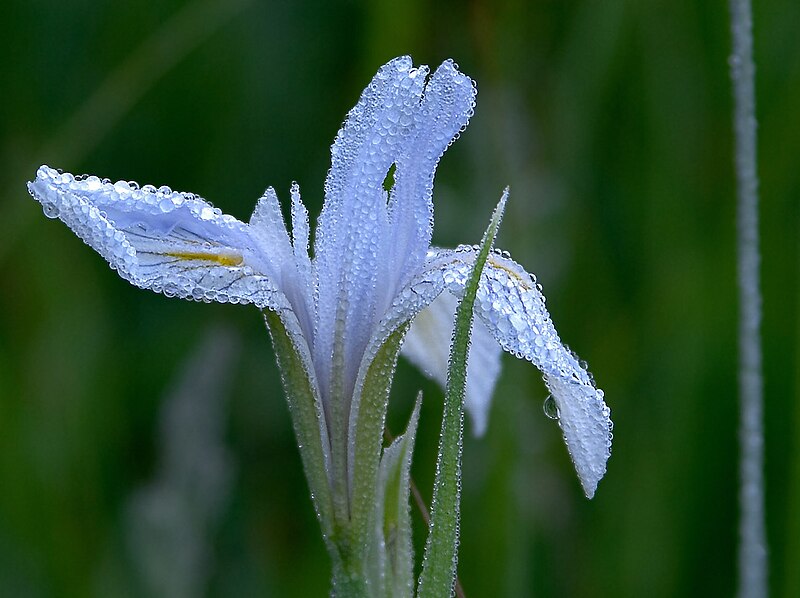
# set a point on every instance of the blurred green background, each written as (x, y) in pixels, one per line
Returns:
(610, 121)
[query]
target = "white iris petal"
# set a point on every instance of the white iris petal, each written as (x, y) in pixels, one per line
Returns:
(373, 269)
(511, 306)
(170, 242)
(427, 346)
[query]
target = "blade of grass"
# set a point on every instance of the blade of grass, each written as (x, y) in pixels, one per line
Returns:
(441, 549)
(115, 97)
(422, 508)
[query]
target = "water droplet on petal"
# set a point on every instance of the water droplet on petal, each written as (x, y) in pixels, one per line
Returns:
(550, 408)
(50, 210)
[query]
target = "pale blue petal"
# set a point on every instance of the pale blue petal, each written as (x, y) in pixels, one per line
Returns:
(511, 306)
(444, 112)
(414, 297)
(169, 242)
(289, 263)
(427, 346)
(268, 230)
(304, 270)
(353, 232)
(300, 231)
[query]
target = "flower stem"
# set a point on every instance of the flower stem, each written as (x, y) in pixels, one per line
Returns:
(348, 579)
(753, 543)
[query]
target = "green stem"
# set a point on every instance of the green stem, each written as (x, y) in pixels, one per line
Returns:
(366, 434)
(348, 579)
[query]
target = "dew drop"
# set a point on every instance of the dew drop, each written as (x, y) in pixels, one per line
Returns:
(50, 210)
(171, 289)
(165, 205)
(550, 408)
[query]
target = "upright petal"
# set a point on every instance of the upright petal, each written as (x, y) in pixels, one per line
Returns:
(289, 267)
(170, 242)
(305, 272)
(300, 231)
(444, 112)
(427, 346)
(268, 230)
(352, 236)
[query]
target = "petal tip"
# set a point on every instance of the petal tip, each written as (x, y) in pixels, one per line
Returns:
(585, 422)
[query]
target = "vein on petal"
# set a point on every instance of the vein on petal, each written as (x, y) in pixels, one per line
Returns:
(170, 242)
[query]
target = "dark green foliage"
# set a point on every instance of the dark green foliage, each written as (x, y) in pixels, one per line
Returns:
(611, 121)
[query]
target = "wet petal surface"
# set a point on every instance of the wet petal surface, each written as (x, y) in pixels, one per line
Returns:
(511, 306)
(169, 242)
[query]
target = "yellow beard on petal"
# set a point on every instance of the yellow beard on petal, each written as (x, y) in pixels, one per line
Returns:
(221, 258)
(524, 281)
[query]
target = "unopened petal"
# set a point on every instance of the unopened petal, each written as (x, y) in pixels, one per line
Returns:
(427, 346)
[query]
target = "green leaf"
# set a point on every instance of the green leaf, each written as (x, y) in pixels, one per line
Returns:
(441, 549)
(366, 441)
(393, 517)
(355, 572)
(307, 419)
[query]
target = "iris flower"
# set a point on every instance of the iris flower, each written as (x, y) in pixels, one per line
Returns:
(373, 271)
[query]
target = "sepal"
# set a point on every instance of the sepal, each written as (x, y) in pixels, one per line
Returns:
(163, 240)
(395, 557)
(307, 416)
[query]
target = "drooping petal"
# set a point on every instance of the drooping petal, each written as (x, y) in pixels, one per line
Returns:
(427, 346)
(512, 307)
(352, 235)
(446, 107)
(170, 242)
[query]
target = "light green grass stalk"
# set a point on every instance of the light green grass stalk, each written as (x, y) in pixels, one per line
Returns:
(440, 562)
